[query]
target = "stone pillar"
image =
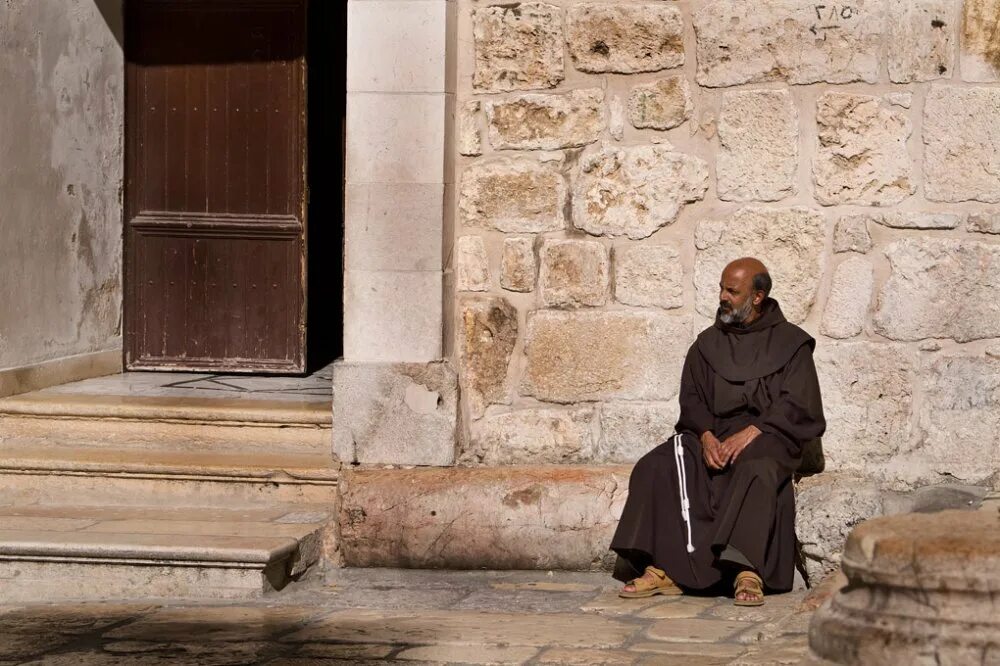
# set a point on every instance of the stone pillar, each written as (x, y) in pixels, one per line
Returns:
(921, 590)
(394, 400)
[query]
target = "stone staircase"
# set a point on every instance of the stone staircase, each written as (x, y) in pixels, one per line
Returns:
(135, 497)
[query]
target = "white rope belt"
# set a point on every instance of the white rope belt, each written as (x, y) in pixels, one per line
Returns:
(682, 483)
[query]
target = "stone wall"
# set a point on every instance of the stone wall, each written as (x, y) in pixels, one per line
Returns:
(61, 120)
(614, 156)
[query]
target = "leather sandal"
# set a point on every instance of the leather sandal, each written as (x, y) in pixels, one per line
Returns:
(653, 581)
(748, 582)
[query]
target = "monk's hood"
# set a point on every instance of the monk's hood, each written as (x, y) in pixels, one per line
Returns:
(761, 349)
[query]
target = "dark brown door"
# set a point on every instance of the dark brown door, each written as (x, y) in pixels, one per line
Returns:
(215, 185)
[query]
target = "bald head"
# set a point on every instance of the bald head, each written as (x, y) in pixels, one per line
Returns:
(744, 285)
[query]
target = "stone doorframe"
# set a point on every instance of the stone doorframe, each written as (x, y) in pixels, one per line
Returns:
(395, 398)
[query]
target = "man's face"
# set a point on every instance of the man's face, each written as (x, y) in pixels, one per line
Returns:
(736, 296)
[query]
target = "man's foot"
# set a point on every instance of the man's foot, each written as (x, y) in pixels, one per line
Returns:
(653, 581)
(749, 589)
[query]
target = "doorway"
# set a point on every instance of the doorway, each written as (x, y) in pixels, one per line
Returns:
(234, 171)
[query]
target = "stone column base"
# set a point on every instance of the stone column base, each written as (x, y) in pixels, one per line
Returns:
(395, 413)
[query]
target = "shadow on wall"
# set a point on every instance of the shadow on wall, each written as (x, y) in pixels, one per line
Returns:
(113, 12)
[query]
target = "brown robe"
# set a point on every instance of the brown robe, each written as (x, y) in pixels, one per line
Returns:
(744, 514)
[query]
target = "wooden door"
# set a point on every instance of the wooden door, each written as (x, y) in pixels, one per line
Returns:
(215, 259)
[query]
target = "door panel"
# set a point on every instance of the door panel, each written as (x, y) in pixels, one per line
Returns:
(215, 189)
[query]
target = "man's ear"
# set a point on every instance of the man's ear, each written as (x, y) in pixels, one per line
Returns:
(758, 297)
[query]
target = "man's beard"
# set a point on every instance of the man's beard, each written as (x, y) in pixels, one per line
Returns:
(732, 317)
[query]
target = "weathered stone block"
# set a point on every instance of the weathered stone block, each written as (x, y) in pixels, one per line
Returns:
(546, 121)
(472, 271)
(908, 220)
(556, 517)
(518, 47)
(827, 508)
(635, 191)
(984, 223)
(574, 273)
(583, 356)
(625, 38)
(649, 275)
(486, 342)
(862, 157)
(851, 234)
(617, 114)
(959, 423)
(519, 266)
(791, 40)
(516, 195)
(538, 436)
(661, 105)
(629, 430)
(980, 57)
(962, 144)
(395, 413)
(922, 34)
(867, 398)
(470, 141)
(940, 289)
(850, 298)
(759, 145)
(788, 240)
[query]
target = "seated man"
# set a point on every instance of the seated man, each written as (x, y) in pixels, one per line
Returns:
(715, 502)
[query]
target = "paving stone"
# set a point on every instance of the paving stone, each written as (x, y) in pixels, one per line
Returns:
(101, 658)
(776, 605)
(70, 618)
(468, 628)
(333, 651)
(685, 630)
(725, 651)
(476, 654)
(587, 657)
(758, 146)
(776, 652)
(678, 607)
(523, 601)
(216, 623)
(627, 38)
(194, 650)
(26, 646)
(543, 586)
(609, 603)
(797, 41)
(518, 48)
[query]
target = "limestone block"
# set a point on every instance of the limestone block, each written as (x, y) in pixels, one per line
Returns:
(392, 315)
(788, 240)
(649, 275)
(962, 144)
(535, 436)
(862, 157)
(851, 234)
(850, 298)
(393, 226)
(959, 423)
(515, 195)
(395, 413)
(395, 138)
(662, 104)
(903, 99)
(984, 223)
(922, 34)
(867, 399)
(788, 40)
(470, 141)
(617, 113)
(552, 517)
(487, 337)
(536, 121)
(759, 145)
(519, 266)
(472, 272)
(909, 220)
(574, 273)
(827, 508)
(625, 38)
(518, 47)
(629, 430)
(940, 289)
(591, 355)
(635, 191)
(980, 52)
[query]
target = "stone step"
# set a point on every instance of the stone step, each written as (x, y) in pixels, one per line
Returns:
(46, 471)
(135, 421)
(139, 552)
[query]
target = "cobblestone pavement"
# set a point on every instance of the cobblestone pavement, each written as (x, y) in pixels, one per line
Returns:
(371, 616)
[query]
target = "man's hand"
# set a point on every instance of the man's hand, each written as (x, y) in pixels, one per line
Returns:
(711, 451)
(731, 449)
